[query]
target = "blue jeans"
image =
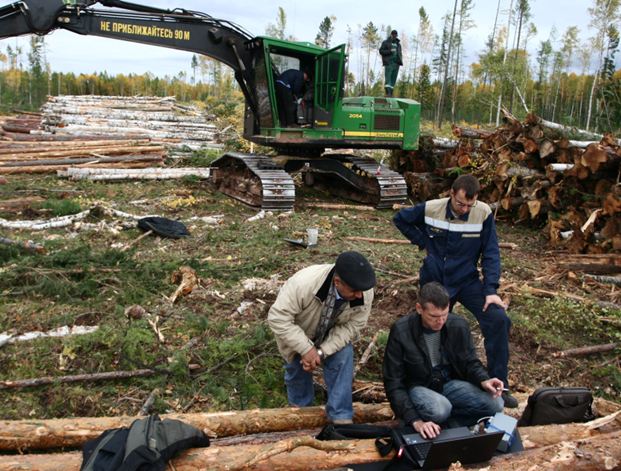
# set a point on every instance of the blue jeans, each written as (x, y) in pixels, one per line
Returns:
(460, 400)
(338, 373)
(495, 326)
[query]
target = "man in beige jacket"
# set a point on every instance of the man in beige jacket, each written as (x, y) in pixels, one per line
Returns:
(319, 311)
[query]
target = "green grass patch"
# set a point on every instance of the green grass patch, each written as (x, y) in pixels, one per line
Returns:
(563, 323)
(61, 207)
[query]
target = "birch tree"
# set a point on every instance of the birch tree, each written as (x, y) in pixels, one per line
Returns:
(604, 13)
(423, 41)
(465, 23)
(444, 83)
(369, 40)
(523, 14)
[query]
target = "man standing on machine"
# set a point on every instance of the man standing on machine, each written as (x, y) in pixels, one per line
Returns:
(390, 50)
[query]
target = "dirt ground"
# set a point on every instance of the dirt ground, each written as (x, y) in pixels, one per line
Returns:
(217, 352)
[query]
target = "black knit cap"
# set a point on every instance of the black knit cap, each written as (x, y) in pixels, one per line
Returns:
(355, 271)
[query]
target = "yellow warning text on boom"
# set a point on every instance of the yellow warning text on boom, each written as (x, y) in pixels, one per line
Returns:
(149, 31)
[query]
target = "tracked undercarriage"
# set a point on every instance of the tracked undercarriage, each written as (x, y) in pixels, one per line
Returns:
(257, 181)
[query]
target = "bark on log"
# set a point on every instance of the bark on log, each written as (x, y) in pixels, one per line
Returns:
(81, 160)
(145, 161)
(69, 433)
(26, 245)
(593, 453)
(353, 207)
(572, 352)
(470, 133)
(80, 152)
(502, 245)
(19, 204)
(155, 173)
(38, 225)
(611, 280)
(28, 383)
(565, 130)
(601, 451)
(41, 146)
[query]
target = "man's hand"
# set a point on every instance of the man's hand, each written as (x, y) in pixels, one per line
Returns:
(494, 299)
(310, 360)
(493, 386)
(427, 430)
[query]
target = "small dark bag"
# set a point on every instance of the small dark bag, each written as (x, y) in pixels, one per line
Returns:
(557, 406)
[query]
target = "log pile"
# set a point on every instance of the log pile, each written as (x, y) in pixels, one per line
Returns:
(531, 171)
(162, 120)
(593, 445)
(50, 156)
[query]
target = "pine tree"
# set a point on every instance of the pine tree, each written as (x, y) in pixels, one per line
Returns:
(369, 39)
(326, 30)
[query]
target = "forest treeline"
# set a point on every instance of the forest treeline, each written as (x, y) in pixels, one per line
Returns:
(570, 79)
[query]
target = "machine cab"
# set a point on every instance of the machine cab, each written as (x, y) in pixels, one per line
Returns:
(321, 97)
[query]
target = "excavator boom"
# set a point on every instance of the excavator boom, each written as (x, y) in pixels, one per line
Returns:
(329, 120)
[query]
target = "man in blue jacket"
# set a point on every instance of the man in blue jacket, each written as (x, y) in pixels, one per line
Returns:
(456, 233)
(290, 86)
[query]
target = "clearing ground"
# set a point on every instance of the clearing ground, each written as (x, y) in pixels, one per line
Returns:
(216, 351)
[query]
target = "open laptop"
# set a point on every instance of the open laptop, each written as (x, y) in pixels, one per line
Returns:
(453, 444)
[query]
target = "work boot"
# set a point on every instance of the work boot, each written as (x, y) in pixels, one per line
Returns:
(341, 421)
(386, 91)
(510, 401)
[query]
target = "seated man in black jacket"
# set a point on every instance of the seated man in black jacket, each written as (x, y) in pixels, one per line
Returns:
(431, 370)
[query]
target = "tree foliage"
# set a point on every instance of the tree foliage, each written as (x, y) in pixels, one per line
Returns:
(326, 30)
(569, 78)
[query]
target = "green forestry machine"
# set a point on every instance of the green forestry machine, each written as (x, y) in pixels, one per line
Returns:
(333, 121)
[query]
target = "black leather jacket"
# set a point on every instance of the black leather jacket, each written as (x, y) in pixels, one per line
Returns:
(407, 363)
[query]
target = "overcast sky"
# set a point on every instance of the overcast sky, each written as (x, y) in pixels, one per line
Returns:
(69, 52)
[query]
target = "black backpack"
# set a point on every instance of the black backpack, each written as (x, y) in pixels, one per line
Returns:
(163, 226)
(146, 445)
(557, 406)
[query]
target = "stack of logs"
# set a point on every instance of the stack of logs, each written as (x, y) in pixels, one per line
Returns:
(531, 171)
(95, 131)
(162, 120)
(282, 439)
(24, 150)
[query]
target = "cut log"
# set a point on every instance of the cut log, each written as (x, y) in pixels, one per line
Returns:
(601, 451)
(26, 245)
(82, 160)
(546, 148)
(110, 174)
(352, 207)
(594, 453)
(105, 376)
(19, 204)
(612, 280)
(38, 225)
(572, 352)
(470, 133)
(69, 433)
(80, 152)
(502, 245)
(565, 130)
